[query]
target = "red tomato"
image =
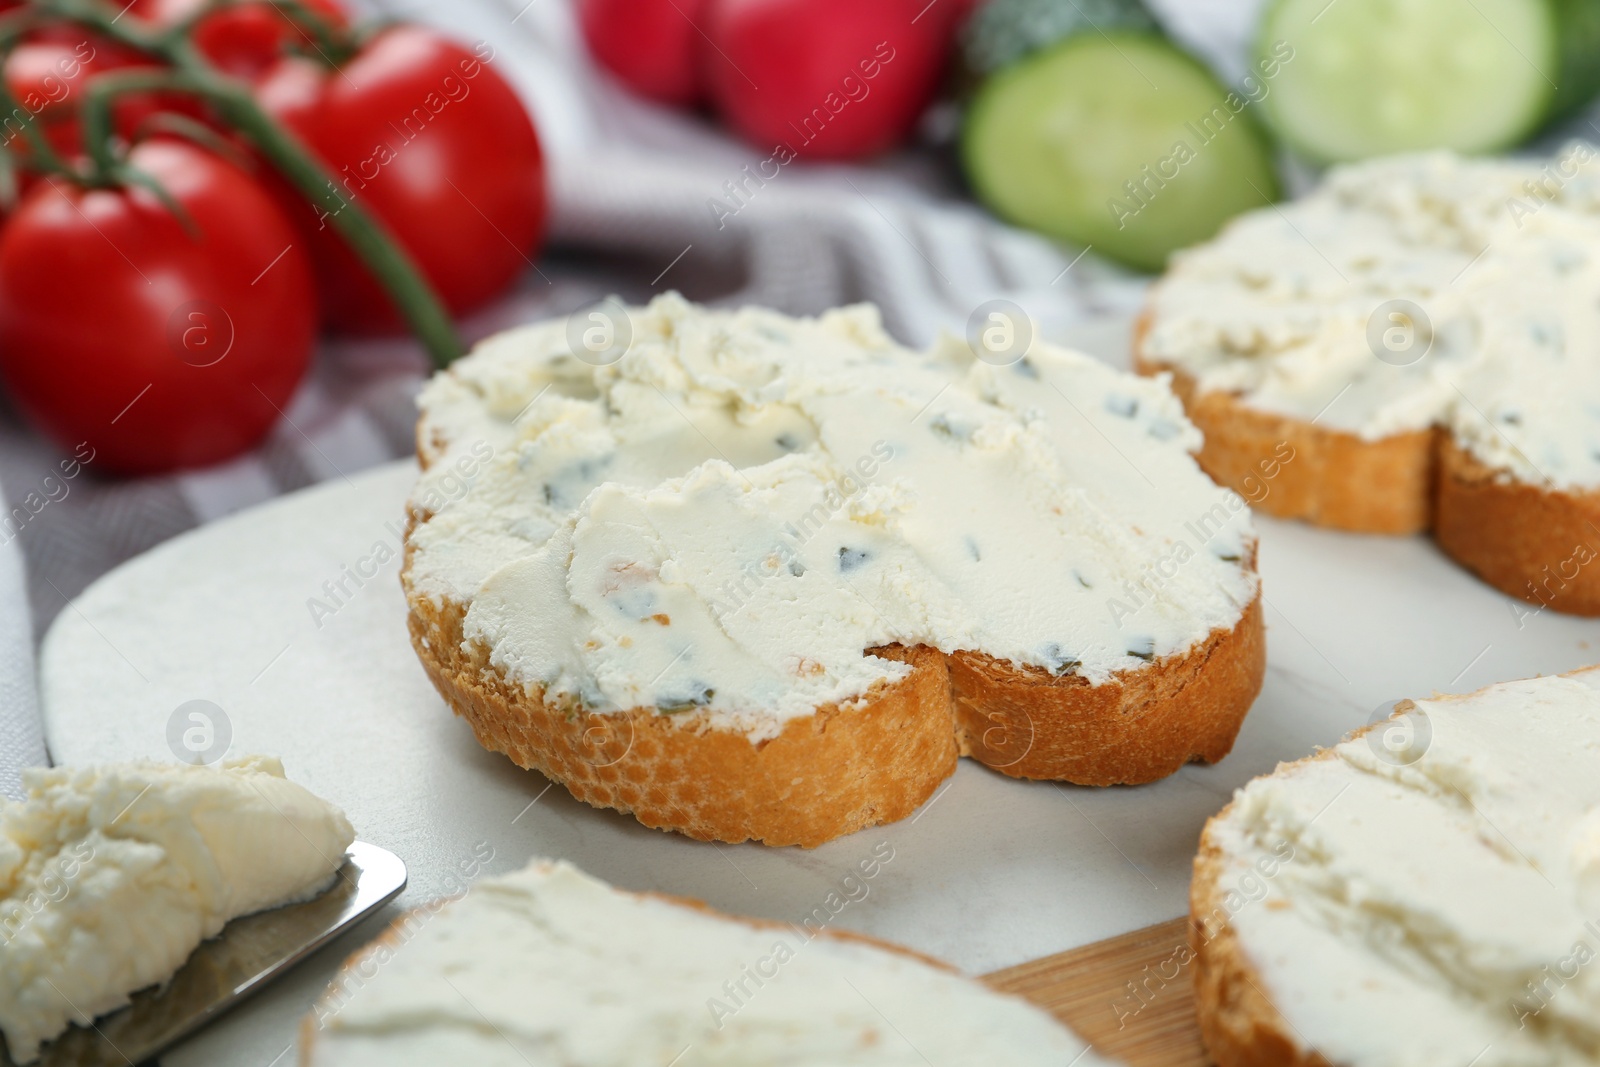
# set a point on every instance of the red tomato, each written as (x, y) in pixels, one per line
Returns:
(246, 39)
(652, 45)
(432, 141)
(42, 76)
(831, 79)
(47, 77)
(160, 348)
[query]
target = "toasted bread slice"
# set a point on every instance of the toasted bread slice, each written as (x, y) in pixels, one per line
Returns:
(1373, 937)
(1526, 540)
(1036, 508)
(551, 965)
(1411, 331)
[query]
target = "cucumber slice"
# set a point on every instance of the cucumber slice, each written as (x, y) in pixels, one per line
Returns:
(1117, 140)
(1578, 37)
(1375, 77)
(1004, 31)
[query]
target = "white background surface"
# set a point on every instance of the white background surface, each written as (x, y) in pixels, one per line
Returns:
(990, 873)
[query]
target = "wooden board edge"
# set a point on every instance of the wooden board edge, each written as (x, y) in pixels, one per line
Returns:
(1131, 997)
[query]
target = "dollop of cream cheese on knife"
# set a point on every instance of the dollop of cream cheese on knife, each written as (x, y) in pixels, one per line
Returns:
(1442, 909)
(725, 519)
(111, 875)
(549, 965)
(1502, 257)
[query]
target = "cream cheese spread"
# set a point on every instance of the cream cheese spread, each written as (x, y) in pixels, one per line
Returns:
(111, 875)
(720, 523)
(1434, 910)
(549, 965)
(1291, 308)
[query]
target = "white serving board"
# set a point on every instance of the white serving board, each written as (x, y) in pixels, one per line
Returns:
(990, 873)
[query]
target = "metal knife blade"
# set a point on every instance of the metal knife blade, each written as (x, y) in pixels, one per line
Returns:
(249, 953)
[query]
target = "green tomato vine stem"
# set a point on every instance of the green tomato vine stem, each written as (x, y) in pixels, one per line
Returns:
(190, 72)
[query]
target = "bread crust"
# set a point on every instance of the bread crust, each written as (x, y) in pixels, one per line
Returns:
(1538, 544)
(1138, 727)
(1335, 479)
(1239, 1024)
(1525, 540)
(876, 760)
(836, 771)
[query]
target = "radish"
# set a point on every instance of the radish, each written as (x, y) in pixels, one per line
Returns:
(651, 45)
(826, 79)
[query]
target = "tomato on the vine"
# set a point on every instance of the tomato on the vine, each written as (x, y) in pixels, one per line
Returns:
(164, 342)
(47, 77)
(245, 39)
(428, 138)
